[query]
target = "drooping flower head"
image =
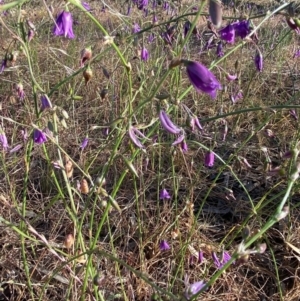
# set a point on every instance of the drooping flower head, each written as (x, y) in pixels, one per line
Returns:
(164, 246)
(186, 27)
(141, 4)
(85, 55)
(202, 79)
(3, 65)
(192, 289)
(258, 60)
(220, 51)
(228, 34)
(84, 143)
(86, 5)
(64, 25)
(164, 194)
(39, 136)
(242, 28)
(296, 53)
(144, 54)
(3, 140)
(209, 159)
(46, 103)
(224, 259)
(136, 28)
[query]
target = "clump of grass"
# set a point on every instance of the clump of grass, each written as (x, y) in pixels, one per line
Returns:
(121, 180)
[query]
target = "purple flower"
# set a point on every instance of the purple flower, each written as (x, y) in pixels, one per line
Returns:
(39, 136)
(192, 289)
(225, 258)
(86, 5)
(179, 140)
(242, 28)
(186, 27)
(151, 37)
(164, 246)
(164, 195)
(144, 54)
(216, 260)
(84, 143)
(166, 5)
(136, 28)
(194, 122)
(128, 10)
(231, 77)
(167, 124)
(3, 140)
(3, 65)
(141, 4)
(133, 132)
(30, 34)
(16, 148)
(258, 60)
(237, 96)
(220, 51)
(200, 257)
(293, 113)
(291, 23)
(184, 146)
(154, 19)
(209, 159)
(228, 34)
(297, 54)
(46, 103)
(64, 25)
(202, 79)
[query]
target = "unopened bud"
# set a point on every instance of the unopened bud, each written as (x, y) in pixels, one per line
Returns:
(87, 74)
(97, 279)
(85, 55)
(215, 12)
(261, 248)
(84, 186)
(69, 169)
(103, 93)
(69, 241)
(100, 181)
(246, 232)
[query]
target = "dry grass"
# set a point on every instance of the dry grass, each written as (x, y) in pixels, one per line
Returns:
(208, 208)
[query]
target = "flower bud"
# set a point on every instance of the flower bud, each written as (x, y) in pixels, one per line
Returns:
(261, 248)
(85, 55)
(84, 186)
(69, 169)
(69, 241)
(87, 74)
(215, 12)
(103, 93)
